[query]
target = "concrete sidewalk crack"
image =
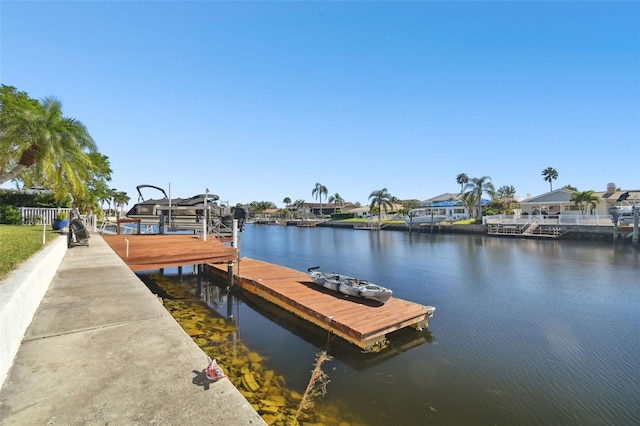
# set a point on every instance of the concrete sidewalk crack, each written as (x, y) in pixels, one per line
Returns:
(84, 330)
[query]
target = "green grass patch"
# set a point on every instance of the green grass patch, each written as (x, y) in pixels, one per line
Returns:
(465, 222)
(18, 243)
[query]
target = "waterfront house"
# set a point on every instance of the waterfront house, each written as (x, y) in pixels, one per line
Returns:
(363, 212)
(558, 202)
(318, 209)
(450, 205)
(551, 203)
(556, 207)
(614, 197)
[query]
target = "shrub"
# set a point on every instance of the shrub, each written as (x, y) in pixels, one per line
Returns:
(33, 220)
(9, 215)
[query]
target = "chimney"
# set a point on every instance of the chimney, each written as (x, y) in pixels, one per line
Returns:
(611, 188)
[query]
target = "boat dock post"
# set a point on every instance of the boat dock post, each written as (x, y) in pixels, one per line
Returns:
(636, 215)
(234, 244)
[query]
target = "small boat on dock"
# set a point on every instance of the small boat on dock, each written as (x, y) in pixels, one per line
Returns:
(350, 286)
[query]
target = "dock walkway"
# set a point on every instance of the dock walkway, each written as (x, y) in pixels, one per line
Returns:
(146, 252)
(102, 349)
(359, 321)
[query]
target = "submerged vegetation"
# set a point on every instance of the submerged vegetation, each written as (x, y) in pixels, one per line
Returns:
(265, 389)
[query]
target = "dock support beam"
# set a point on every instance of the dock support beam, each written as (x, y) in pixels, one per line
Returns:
(199, 288)
(636, 215)
(230, 274)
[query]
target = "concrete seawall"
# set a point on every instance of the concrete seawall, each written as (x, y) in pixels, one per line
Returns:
(569, 232)
(20, 295)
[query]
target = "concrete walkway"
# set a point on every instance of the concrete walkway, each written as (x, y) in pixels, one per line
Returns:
(102, 349)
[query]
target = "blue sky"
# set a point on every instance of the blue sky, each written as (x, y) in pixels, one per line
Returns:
(258, 101)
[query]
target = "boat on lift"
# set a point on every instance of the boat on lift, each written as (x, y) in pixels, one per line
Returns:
(180, 213)
(424, 216)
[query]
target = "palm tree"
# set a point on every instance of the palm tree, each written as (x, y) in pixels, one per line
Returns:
(55, 149)
(300, 205)
(478, 186)
(287, 204)
(380, 199)
(462, 180)
(112, 199)
(318, 191)
(102, 194)
(336, 199)
(584, 200)
(407, 206)
(120, 199)
(469, 201)
(506, 195)
(550, 174)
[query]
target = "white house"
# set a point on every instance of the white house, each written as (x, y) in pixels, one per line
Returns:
(450, 205)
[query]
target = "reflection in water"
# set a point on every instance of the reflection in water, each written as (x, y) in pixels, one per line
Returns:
(528, 331)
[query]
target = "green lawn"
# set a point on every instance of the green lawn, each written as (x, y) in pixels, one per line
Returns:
(19, 242)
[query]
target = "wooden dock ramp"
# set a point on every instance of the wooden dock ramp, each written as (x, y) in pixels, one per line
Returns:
(359, 321)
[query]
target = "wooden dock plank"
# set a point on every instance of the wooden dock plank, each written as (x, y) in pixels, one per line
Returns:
(357, 320)
(162, 251)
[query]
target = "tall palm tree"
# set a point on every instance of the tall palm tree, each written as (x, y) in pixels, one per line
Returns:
(462, 180)
(318, 191)
(286, 201)
(380, 199)
(112, 199)
(550, 174)
(479, 186)
(54, 148)
(336, 199)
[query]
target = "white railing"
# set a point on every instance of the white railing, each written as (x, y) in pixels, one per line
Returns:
(584, 220)
(45, 216)
(41, 215)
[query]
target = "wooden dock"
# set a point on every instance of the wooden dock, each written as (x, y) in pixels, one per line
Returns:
(359, 321)
(370, 226)
(307, 223)
(355, 320)
(163, 251)
(525, 230)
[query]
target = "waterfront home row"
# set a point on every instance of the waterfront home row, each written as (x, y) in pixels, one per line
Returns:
(554, 203)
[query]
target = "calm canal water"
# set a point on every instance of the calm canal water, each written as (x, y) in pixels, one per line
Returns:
(525, 331)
